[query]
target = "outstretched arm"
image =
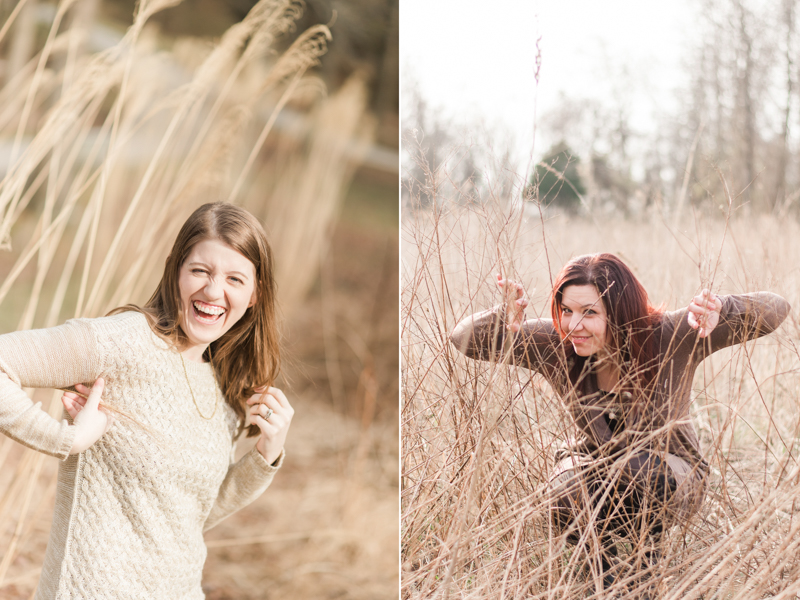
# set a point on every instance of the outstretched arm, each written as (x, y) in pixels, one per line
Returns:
(503, 333)
(728, 320)
(748, 316)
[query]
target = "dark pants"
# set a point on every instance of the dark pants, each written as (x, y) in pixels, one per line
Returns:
(608, 499)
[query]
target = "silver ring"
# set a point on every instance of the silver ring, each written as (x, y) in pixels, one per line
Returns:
(269, 414)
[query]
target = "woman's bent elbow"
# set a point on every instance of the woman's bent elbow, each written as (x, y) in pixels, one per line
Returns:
(780, 310)
(460, 337)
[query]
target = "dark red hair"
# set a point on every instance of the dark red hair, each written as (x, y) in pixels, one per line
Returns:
(631, 317)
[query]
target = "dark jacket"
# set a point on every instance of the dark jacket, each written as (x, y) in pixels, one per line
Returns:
(655, 418)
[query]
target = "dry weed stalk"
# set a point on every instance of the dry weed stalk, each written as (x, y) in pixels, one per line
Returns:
(478, 438)
(107, 153)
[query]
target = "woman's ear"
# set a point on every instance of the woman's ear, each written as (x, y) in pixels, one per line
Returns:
(254, 297)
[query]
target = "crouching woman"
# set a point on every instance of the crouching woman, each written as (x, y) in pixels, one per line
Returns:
(624, 370)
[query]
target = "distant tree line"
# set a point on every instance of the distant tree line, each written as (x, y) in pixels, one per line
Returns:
(738, 122)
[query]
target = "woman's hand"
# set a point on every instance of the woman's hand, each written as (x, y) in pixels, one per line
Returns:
(91, 421)
(515, 303)
(703, 312)
(271, 411)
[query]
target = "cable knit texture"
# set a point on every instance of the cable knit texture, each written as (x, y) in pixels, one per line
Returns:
(130, 511)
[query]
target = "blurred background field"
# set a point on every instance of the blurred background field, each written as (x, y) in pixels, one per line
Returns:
(117, 119)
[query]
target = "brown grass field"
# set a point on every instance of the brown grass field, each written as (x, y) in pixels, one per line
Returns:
(104, 155)
(478, 437)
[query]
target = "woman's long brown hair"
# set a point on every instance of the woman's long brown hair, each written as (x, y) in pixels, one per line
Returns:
(247, 356)
(631, 317)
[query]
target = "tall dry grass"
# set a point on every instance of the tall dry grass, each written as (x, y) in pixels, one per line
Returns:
(103, 156)
(478, 438)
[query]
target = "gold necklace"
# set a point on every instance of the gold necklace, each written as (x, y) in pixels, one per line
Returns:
(191, 391)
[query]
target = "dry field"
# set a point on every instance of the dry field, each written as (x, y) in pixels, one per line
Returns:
(103, 155)
(478, 438)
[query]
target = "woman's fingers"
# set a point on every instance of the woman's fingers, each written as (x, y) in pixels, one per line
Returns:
(277, 402)
(71, 406)
(273, 400)
(273, 419)
(73, 401)
(93, 400)
(717, 303)
(279, 396)
(510, 286)
(703, 312)
(272, 413)
(75, 398)
(705, 302)
(90, 421)
(262, 410)
(697, 315)
(83, 390)
(272, 395)
(707, 299)
(515, 302)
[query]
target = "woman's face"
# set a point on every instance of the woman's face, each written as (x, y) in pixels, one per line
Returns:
(217, 286)
(583, 318)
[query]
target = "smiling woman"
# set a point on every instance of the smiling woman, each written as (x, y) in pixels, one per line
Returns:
(147, 457)
(624, 370)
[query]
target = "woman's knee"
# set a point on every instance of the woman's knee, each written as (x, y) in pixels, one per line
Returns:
(649, 477)
(571, 498)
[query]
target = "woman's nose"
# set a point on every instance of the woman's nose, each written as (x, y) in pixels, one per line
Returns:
(575, 322)
(213, 288)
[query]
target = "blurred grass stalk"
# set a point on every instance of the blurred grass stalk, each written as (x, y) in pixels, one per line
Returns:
(478, 438)
(104, 155)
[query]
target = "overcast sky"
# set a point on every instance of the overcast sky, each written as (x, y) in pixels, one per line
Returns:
(477, 64)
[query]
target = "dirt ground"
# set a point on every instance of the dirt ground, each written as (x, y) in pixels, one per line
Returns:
(327, 528)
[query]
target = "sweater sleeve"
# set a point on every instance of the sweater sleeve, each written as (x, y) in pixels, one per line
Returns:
(245, 481)
(484, 335)
(743, 317)
(58, 357)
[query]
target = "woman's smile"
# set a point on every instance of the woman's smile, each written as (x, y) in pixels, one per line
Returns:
(207, 313)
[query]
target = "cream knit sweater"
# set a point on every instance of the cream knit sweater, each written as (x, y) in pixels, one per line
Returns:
(130, 511)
